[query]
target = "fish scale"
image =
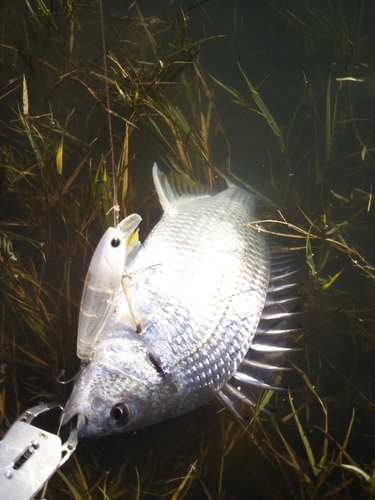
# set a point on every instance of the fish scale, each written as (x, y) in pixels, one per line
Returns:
(184, 315)
(223, 292)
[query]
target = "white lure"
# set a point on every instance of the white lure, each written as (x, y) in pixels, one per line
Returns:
(103, 280)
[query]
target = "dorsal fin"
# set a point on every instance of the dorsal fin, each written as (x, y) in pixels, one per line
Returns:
(171, 187)
(262, 366)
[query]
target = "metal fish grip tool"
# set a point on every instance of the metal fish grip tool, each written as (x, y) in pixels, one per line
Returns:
(29, 456)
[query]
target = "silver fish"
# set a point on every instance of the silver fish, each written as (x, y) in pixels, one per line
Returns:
(185, 314)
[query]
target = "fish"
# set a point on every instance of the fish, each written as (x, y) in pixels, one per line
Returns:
(200, 310)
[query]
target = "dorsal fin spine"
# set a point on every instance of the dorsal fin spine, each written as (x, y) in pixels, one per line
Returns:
(173, 186)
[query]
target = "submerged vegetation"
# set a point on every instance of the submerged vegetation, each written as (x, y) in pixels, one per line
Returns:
(311, 148)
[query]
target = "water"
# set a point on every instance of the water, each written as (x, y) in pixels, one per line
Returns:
(279, 50)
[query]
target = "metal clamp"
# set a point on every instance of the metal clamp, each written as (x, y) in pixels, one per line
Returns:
(29, 456)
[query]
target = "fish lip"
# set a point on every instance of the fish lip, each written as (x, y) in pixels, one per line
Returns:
(67, 416)
(70, 411)
(81, 424)
(80, 421)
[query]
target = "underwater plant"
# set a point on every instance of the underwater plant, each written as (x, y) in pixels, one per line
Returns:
(278, 100)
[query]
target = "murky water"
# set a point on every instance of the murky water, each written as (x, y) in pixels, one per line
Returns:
(312, 64)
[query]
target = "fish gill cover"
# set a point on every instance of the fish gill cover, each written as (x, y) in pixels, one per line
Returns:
(278, 98)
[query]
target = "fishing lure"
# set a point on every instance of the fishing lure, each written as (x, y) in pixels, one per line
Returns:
(103, 280)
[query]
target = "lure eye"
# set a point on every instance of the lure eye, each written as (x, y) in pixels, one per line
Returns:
(115, 242)
(120, 414)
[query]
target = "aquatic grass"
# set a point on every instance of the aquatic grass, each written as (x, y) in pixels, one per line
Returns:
(339, 28)
(318, 482)
(53, 220)
(180, 136)
(261, 111)
(58, 214)
(181, 487)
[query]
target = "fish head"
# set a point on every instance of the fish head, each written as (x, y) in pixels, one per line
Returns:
(115, 392)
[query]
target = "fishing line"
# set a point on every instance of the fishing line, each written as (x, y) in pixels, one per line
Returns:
(62, 374)
(115, 207)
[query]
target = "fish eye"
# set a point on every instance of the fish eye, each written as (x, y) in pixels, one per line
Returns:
(115, 242)
(120, 414)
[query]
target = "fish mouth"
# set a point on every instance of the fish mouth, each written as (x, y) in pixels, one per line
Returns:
(76, 419)
(69, 412)
(72, 410)
(81, 424)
